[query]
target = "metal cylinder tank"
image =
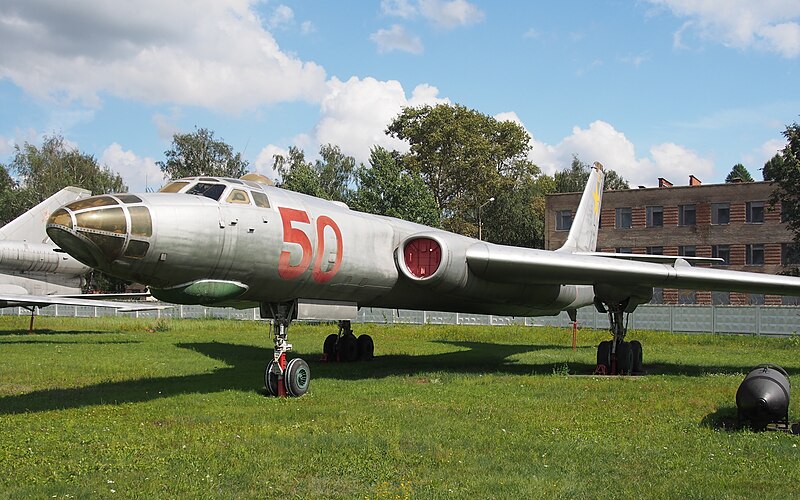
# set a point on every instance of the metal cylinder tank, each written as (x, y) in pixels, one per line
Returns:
(763, 396)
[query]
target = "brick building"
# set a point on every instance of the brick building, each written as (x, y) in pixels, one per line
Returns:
(729, 221)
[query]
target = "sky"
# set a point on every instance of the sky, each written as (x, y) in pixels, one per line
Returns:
(650, 88)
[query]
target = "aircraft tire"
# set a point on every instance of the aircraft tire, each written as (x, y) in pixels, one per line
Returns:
(638, 364)
(604, 354)
(347, 348)
(624, 358)
(329, 347)
(297, 377)
(271, 379)
(365, 347)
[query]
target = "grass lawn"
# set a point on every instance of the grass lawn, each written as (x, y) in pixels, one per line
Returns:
(107, 407)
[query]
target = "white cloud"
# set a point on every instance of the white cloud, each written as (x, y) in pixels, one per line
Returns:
(218, 56)
(442, 13)
(6, 146)
(398, 8)
(602, 142)
(266, 160)
(167, 125)
(137, 173)
(282, 17)
(769, 25)
(396, 38)
(356, 112)
(452, 13)
(307, 27)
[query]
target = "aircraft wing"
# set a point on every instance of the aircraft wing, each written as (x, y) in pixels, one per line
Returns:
(527, 266)
(18, 300)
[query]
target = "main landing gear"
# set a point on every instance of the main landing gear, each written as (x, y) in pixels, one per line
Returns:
(616, 356)
(284, 378)
(344, 346)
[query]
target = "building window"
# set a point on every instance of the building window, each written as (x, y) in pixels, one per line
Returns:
(624, 250)
(754, 254)
(658, 296)
(722, 252)
(754, 212)
(687, 251)
(721, 298)
(655, 216)
(687, 297)
(687, 215)
(790, 254)
(720, 213)
(624, 220)
(790, 300)
(655, 250)
(563, 220)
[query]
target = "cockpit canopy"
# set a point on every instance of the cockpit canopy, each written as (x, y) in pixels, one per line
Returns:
(237, 191)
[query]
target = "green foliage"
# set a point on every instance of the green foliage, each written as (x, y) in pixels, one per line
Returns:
(443, 411)
(385, 188)
(516, 216)
(198, 153)
(574, 178)
(46, 170)
(739, 173)
(329, 178)
(465, 158)
(784, 172)
(772, 166)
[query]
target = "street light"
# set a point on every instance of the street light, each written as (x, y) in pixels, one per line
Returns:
(480, 222)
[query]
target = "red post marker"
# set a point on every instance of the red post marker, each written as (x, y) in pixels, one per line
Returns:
(574, 335)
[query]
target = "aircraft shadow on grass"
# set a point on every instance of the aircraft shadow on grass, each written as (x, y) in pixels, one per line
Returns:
(245, 365)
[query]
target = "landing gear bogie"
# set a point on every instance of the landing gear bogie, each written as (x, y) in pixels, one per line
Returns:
(616, 356)
(346, 347)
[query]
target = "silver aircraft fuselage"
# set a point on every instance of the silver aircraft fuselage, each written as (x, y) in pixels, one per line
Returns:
(241, 243)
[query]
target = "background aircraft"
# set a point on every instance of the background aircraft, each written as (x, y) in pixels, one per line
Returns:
(237, 242)
(34, 272)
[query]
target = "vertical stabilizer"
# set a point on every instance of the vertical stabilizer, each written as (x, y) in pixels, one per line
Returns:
(583, 233)
(30, 226)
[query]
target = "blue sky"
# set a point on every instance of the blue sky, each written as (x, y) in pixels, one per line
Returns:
(651, 88)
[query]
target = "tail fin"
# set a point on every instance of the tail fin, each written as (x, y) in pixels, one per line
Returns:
(583, 233)
(30, 226)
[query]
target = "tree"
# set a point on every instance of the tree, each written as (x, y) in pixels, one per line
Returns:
(385, 188)
(774, 164)
(44, 171)
(574, 178)
(465, 157)
(199, 153)
(330, 177)
(784, 173)
(297, 174)
(517, 215)
(739, 174)
(336, 173)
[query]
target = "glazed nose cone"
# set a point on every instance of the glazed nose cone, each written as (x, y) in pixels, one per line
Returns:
(98, 230)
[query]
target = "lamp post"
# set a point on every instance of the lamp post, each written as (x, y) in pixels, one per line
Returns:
(480, 222)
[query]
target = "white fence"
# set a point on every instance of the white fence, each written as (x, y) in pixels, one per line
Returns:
(756, 320)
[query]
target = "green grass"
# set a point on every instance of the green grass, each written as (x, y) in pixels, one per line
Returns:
(116, 407)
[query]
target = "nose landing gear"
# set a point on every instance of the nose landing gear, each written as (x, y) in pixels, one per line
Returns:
(283, 378)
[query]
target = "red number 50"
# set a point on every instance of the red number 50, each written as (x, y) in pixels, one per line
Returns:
(294, 235)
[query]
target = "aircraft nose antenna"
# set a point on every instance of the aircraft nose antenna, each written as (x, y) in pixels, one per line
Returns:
(102, 229)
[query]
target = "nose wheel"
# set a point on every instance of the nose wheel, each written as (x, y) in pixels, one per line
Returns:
(285, 378)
